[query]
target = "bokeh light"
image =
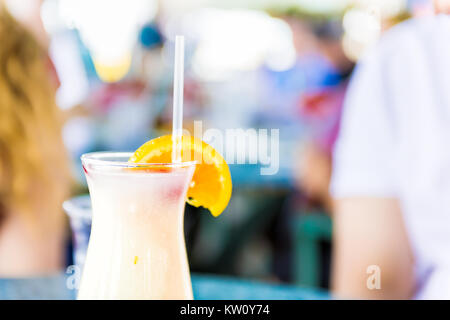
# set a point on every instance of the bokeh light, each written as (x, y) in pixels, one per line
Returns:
(109, 29)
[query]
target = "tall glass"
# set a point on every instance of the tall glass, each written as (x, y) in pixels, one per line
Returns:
(136, 248)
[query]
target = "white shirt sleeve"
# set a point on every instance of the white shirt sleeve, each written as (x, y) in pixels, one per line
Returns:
(364, 154)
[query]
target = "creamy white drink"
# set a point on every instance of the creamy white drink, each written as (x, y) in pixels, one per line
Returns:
(136, 249)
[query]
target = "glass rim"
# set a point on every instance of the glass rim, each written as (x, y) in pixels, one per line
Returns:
(75, 207)
(95, 158)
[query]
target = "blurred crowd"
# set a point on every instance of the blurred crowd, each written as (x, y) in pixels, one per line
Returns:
(64, 91)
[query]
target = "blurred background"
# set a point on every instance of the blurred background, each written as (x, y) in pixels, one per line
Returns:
(273, 64)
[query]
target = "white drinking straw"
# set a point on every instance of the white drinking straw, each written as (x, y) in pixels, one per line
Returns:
(178, 85)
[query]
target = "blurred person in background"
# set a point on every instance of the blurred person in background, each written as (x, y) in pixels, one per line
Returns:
(34, 173)
(320, 105)
(391, 171)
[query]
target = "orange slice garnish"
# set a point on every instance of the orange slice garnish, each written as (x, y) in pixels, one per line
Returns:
(211, 184)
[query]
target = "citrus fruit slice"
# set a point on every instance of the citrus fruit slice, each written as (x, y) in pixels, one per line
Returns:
(211, 184)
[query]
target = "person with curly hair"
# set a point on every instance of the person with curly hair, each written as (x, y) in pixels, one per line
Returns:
(34, 173)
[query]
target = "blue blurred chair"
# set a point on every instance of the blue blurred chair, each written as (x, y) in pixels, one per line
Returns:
(310, 230)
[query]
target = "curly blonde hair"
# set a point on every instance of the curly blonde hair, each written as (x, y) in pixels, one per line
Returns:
(32, 155)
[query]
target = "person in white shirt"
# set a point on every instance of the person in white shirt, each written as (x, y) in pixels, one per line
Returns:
(391, 168)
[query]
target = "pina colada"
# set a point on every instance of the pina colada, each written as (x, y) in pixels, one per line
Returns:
(136, 248)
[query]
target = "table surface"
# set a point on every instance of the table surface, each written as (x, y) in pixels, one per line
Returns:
(205, 288)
